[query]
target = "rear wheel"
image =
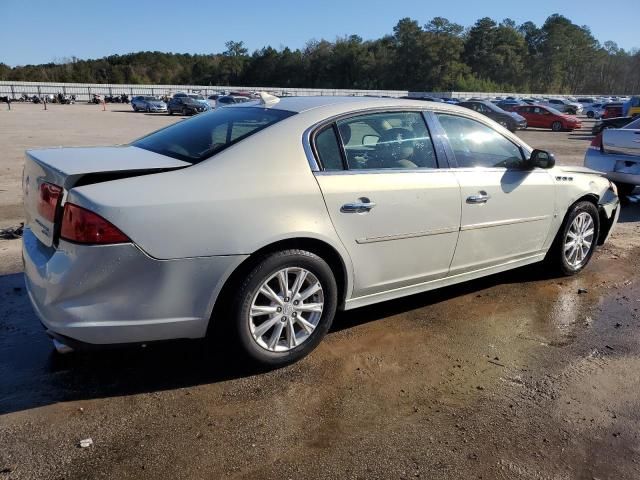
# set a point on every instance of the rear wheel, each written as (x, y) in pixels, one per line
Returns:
(556, 126)
(625, 189)
(576, 241)
(590, 114)
(169, 111)
(285, 307)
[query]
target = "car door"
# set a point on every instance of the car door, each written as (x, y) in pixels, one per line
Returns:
(395, 211)
(507, 209)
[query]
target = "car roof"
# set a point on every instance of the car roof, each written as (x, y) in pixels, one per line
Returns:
(303, 104)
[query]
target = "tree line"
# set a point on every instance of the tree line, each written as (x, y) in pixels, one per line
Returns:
(557, 57)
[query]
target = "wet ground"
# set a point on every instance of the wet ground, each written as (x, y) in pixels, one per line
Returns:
(514, 376)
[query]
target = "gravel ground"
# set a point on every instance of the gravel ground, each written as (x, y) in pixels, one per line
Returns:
(514, 376)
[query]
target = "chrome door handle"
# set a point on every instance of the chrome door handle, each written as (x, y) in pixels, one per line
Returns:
(482, 197)
(358, 207)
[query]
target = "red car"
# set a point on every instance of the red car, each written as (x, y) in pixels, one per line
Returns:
(546, 117)
(612, 111)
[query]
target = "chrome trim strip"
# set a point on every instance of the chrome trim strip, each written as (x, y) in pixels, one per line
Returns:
(402, 236)
(500, 223)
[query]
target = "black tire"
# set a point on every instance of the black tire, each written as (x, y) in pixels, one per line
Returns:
(148, 109)
(185, 112)
(169, 111)
(263, 269)
(556, 126)
(624, 189)
(135, 109)
(590, 114)
(555, 256)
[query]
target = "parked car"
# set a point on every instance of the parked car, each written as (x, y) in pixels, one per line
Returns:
(512, 121)
(612, 110)
(616, 152)
(540, 116)
(185, 106)
(242, 218)
(616, 122)
(595, 110)
(586, 102)
(148, 104)
(564, 106)
(194, 96)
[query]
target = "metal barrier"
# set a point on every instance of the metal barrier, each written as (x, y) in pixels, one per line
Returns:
(85, 91)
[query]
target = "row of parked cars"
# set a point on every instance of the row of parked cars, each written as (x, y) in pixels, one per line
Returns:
(185, 103)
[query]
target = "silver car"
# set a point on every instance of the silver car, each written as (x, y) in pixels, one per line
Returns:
(148, 104)
(616, 153)
(268, 216)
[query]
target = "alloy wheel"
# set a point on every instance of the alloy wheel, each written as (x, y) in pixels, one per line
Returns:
(579, 239)
(286, 309)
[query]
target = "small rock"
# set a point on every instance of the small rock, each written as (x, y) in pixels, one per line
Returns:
(582, 290)
(618, 325)
(480, 387)
(608, 347)
(86, 443)
(616, 434)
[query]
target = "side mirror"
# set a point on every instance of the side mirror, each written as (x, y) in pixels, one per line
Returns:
(542, 159)
(370, 140)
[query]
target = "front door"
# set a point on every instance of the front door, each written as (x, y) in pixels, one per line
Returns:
(397, 214)
(507, 209)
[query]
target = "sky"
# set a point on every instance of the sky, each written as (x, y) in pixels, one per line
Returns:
(40, 31)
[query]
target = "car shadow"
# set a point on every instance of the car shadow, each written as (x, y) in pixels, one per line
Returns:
(34, 375)
(153, 114)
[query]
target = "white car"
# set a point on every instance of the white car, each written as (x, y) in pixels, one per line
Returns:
(268, 216)
(564, 106)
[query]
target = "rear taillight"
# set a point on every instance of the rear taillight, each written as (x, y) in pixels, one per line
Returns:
(49, 196)
(596, 143)
(80, 225)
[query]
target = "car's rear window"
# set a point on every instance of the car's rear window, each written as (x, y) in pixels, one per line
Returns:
(203, 136)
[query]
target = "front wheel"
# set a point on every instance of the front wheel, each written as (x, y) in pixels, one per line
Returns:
(556, 126)
(285, 307)
(576, 241)
(590, 114)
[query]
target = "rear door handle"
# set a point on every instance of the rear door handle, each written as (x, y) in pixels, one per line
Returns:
(482, 197)
(364, 205)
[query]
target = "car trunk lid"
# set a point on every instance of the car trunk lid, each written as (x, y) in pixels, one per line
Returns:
(624, 141)
(69, 167)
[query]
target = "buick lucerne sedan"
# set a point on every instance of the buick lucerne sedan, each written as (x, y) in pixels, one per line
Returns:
(269, 216)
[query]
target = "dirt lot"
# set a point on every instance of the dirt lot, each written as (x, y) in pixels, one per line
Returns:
(515, 376)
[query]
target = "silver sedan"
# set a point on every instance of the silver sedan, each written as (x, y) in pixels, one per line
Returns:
(270, 215)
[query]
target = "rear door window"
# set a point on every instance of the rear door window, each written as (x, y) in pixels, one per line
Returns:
(387, 140)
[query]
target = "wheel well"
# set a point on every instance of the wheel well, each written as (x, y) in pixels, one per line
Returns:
(320, 248)
(605, 223)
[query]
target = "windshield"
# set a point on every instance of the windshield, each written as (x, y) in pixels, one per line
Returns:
(150, 99)
(493, 107)
(554, 111)
(196, 97)
(201, 137)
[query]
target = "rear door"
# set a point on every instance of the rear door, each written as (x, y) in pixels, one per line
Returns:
(507, 209)
(395, 211)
